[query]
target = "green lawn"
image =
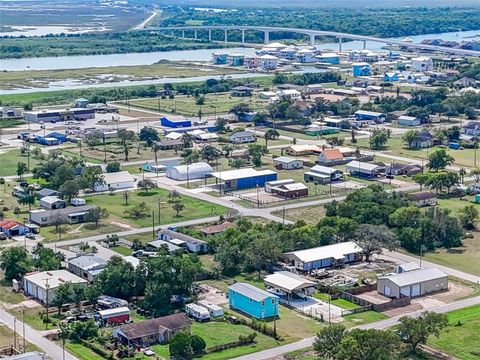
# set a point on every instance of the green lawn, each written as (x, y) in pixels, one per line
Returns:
(82, 352)
(122, 250)
(363, 318)
(462, 336)
(6, 293)
(10, 159)
(344, 304)
(6, 339)
(455, 204)
(33, 317)
(397, 147)
(115, 204)
(219, 103)
(216, 333)
(78, 230)
(464, 258)
(7, 123)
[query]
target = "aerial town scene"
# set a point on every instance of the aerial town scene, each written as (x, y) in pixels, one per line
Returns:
(214, 179)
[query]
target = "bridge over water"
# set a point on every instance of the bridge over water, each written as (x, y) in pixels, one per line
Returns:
(312, 34)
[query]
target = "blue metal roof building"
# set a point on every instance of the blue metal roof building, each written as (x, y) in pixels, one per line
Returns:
(164, 121)
(252, 301)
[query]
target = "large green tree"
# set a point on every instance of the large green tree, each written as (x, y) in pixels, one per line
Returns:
(15, 262)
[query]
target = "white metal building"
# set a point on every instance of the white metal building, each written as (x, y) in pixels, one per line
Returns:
(198, 170)
(36, 284)
(117, 180)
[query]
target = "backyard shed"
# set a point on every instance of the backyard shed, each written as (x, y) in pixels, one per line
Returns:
(198, 170)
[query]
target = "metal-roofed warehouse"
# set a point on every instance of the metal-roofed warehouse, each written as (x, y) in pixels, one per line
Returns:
(412, 283)
(244, 178)
(324, 256)
(198, 170)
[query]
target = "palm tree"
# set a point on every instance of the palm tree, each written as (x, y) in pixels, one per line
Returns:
(270, 134)
(156, 148)
(462, 173)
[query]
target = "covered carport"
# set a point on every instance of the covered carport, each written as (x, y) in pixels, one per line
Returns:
(287, 285)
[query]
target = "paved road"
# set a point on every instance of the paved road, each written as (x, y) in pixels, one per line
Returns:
(147, 20)
(34, 336)
(383, 324)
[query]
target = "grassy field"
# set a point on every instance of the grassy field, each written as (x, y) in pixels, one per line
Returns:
(33, 317)
(115, 204)
(78, 230)
(10, 159)
(41, 78)
(462, 336)
(455, 204)
(464, 258)
(397, 147)
(6, 339)
(186, 105)
(7, 123)
(81, 351)
(6, 293)
(309, 214)
(363, 318)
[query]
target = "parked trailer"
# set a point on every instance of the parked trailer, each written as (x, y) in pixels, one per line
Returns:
(214, 310)
(114, 316)
(198, 312)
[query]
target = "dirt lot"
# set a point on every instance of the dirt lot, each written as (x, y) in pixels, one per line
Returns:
(374, 297)
(212, 295)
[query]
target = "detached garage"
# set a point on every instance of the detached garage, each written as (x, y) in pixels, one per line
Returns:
(413, 283)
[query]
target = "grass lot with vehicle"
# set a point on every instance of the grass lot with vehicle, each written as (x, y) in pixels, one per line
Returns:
(215, 103)
(115, 204)
(461, 338)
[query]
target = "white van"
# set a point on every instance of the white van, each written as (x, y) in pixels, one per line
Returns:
(77, 202)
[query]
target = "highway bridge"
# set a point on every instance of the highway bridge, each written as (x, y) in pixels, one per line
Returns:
(267, 30)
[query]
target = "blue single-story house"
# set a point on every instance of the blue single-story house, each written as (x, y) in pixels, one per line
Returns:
(324, 256)
(175, 123)
(363, 115)
(390, 76)
(361, 69)
(252, 301)
(246, 178)
(13, 228)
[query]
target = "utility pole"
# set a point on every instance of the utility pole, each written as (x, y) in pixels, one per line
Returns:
(47, 286)
(15, 333)
(23, 330)
(159, 206)
(283, 216)
(153, 224)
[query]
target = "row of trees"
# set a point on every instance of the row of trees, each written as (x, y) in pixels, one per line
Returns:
(16, 261)
(335, 342)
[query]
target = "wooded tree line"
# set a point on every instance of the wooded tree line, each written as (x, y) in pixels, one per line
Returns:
(372, 217)
(388, 22)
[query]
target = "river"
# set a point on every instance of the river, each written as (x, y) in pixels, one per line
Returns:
(132, 59)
